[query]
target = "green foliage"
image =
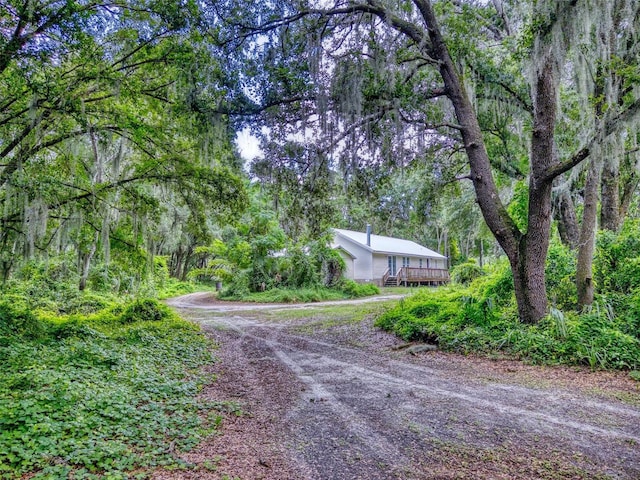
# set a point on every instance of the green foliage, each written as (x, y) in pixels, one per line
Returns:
(175, 288)
(617, 260)
(292, 295)
(52, 286)
(519, 207)
(464, 273)
(146, 310)
(560, 275)
(496, 285)
(332, 265)
(343, 290)
(355, 290)
(297, 269)
(104, 395)
(479, 319)
(18, 322)
(238, 287)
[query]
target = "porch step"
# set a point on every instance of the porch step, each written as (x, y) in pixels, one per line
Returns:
(391, 282)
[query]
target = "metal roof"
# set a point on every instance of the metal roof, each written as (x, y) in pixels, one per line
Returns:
(381, 244)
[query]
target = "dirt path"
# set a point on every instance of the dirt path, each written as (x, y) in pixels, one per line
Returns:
(330, 398)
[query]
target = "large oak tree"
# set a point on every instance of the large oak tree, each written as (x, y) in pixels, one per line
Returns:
(410, 56)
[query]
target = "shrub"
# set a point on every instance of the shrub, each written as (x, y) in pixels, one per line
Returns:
(356, 290)
(294, 295)
(18, 321)
(561, 276)
(629, 313)
(145, 310)
(297, 269)
(496, 284)
(617, 264)
(477, 319)
(465, 273)
(238, 287)
(87, 303)
(600, 343)
(175, 288)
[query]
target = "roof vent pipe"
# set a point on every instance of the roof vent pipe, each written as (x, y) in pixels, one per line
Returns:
(368, 235)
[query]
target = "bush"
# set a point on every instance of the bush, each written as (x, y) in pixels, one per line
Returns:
(297, 269)
(465, 273)
(617, 262)
(293, 295)
(355, 290)
(237, 288)
(496, 284)
(18, 321)
(146, 310)
(561, 276)
(476, 319)
(87, 302)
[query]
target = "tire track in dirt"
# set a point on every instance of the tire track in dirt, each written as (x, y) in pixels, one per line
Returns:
(376, 415)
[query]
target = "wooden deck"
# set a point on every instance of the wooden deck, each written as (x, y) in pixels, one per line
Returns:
(416, 276)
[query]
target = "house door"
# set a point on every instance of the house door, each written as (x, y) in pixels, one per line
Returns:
(391, 260)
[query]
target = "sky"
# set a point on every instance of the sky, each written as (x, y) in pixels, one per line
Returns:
(247, 145)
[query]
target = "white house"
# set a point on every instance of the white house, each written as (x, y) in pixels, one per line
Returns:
(388, 261)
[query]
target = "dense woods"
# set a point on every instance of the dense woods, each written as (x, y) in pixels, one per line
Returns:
(118, 123)
(540, 91)
(503, 134)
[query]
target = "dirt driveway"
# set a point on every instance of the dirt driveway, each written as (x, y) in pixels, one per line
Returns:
(327, 396)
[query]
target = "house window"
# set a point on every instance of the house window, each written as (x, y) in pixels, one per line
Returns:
(405, 261)
(420, 262)
(391, 260)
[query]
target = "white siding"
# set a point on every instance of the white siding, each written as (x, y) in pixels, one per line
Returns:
(436, 263)
(365, 266)
(362, 263)
(380, 265)
(348, 260)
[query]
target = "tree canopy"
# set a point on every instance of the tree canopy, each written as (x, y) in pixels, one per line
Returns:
(452, 122)
(522, 90)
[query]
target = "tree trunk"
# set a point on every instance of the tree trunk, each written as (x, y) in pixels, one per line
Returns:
(185, 264)
(86, 263)
(527, 253)
(175, 266)
(627, 195)
(586, 247)
(565, 215)
(529, 287)
(529, 266)
(610, 203)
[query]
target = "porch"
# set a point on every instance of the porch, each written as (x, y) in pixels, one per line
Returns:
(407, 276)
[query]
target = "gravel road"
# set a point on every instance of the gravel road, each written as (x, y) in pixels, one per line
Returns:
(329, 398)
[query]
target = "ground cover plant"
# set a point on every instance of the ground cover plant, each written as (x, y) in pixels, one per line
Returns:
(344, 290)
(108, 394)
(482, 317)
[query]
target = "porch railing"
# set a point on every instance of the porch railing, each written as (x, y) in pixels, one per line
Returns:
(419, 275)
(385, 277)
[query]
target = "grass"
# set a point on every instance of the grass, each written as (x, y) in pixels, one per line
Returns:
(541, 462)
(346, 289)
(175, 288)
(101, 395)
(347, 313)
(299, 295)
(403, 290)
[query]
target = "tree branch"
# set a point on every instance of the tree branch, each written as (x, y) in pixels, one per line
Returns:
(608, 128)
